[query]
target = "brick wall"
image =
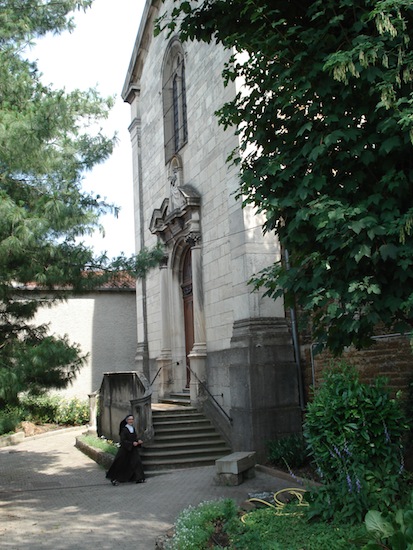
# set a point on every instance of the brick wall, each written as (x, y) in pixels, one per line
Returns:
(390, 357)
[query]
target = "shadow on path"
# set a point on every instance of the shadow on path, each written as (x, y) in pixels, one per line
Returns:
(52, 496)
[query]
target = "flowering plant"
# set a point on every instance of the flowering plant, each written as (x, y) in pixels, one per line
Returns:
(354, 433)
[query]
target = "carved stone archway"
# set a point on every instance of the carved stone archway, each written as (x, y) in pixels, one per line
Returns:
(177, 224)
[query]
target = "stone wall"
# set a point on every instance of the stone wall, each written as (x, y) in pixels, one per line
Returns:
(104, 325)
(242, 354)
(122, 394)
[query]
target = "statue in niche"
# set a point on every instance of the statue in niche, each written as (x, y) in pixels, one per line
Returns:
(176, 199)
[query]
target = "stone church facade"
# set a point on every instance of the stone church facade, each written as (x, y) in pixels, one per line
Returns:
(200, 325)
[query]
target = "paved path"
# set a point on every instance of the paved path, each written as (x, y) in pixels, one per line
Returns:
(53, 497)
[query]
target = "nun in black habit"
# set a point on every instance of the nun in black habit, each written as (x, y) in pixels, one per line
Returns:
(127, 465)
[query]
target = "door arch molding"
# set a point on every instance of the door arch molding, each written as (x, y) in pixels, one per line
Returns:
(177, 225)
(188, 310)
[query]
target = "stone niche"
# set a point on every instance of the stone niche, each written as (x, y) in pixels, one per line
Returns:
(121, 394)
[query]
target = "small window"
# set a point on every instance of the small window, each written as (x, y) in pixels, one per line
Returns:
(174, 100)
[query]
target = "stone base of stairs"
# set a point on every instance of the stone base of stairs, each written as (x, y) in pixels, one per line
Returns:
(184, 438)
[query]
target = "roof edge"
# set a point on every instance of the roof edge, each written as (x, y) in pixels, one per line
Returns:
(130, 86)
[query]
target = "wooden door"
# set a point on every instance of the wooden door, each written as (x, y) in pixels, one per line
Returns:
(188, 311)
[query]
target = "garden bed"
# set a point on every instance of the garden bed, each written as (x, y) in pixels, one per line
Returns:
(98, 455)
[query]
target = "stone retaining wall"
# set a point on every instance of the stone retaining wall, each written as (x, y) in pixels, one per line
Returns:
(12, 439)
(99, 456)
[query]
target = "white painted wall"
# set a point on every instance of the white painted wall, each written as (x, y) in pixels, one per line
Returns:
(104, 324)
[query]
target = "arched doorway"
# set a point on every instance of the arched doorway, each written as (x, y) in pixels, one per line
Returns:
(188, 310)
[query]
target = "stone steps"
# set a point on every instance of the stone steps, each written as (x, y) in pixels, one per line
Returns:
(159, 450)
(178, 398)
(184, 438)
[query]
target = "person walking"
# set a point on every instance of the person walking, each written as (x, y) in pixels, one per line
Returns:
(127, 465)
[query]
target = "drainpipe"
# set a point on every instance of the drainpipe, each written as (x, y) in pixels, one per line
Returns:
(312, 365)
(294, 332)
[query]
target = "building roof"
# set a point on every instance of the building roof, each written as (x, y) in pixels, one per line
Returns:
(130, 86)
(119, 282)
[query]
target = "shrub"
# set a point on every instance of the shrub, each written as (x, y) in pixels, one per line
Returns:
(354, 433)
(45, 409)
(40, 409)
(9, 419)
(293, 531)
(197, 528)
(54, 409)
(290, 451)
(195, 525)
(408, 408)
(73, 412)
(392, 529)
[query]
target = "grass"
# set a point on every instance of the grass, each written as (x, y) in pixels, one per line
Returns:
(295, 532)
(105, 445)
(213, 523)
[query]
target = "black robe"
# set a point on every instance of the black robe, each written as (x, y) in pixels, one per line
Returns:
(127, 465)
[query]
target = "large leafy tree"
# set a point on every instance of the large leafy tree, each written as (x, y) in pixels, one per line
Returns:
(48, 139)
(326, 127)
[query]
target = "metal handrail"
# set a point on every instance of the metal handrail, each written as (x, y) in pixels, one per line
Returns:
(200, 382)
(157, 374)
(210, 394)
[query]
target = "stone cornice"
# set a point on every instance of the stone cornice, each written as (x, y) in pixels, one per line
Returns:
(140, 49)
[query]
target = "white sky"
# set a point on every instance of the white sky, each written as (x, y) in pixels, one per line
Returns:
(97, 54)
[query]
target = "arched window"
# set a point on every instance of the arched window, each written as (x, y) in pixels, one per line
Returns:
(174, 100)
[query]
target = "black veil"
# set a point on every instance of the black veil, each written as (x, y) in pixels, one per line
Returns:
(123, 423)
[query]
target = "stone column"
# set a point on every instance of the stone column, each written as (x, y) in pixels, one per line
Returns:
(164, 360)
(141, 358)
(92, 430)
(198, 355)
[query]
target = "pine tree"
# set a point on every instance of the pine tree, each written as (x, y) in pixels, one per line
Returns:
(48, 140)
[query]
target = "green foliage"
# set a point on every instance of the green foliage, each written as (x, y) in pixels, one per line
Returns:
(35, 362)
(354, 433)
(408, 408)
(195, 525)
(326, 135)
(72, 412)
(101, 443)
(262, 529)
(45, 409)
(9, 419)
(55, 410)
(294, 532)
(392, 530)
(41, 409)
(48, 140)
(288, 451)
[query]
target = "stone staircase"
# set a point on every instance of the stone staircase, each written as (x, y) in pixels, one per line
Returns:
(184, 438)
(177, 398)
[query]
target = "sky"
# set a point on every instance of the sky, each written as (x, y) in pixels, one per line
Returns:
(97, 54)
